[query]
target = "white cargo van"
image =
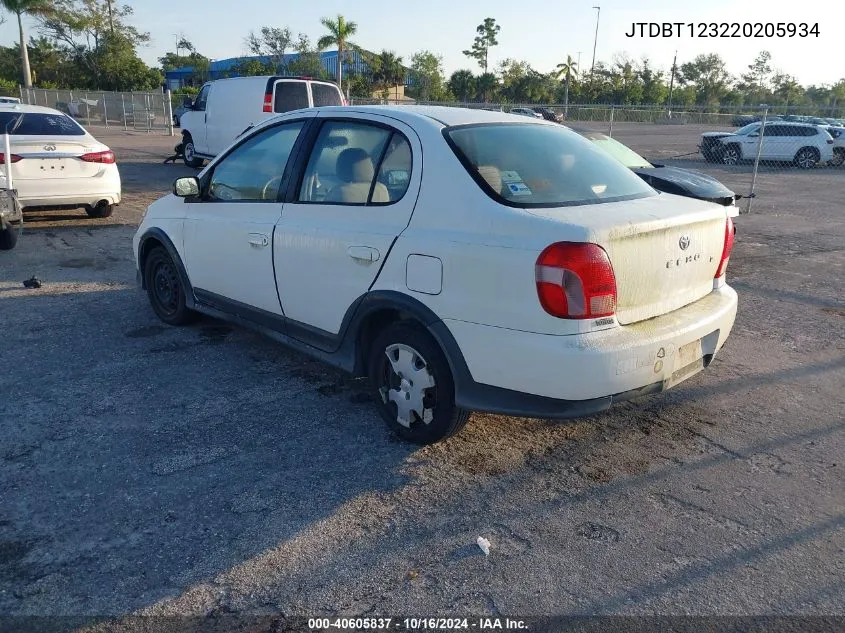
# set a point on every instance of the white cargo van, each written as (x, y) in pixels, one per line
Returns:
(225, 108)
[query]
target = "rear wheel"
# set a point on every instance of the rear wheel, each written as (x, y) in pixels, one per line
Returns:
(413, 385)
(165, 290)
(807, 157)
(9, 237)
(101, 210)
(189, 153)
(732, 155)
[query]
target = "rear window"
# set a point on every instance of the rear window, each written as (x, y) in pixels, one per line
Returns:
(325, 95)
(533, 165)
(620, 152)
(38, 124)
(290, 95)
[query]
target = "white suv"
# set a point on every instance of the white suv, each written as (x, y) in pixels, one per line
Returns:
(462, 259)
(802, 144)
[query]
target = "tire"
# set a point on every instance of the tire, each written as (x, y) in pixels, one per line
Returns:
(100, 211)
(417, 357)
(807, 157)
(838, 156)
(189, 153)
(732, 154)
(165, 290)
(9, 237)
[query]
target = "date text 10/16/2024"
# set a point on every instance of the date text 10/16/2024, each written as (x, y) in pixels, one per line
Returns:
(411, 624)
(723, 29)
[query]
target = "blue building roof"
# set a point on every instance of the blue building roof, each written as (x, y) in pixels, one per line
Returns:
(222, 68)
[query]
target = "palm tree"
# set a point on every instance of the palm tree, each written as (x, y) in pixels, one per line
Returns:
(19, 8)
(387, 71)
(486, 84)
(339, 32)
(462, 85)
(566, 69)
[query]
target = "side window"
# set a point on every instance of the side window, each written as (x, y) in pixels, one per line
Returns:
(253, 171)
(395, 170)
(325, 95)
(773, 130)
(810, 131)
(202, 98)
(290, 95)
(343, 163)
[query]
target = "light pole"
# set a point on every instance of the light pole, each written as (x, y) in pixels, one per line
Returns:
(595, 41)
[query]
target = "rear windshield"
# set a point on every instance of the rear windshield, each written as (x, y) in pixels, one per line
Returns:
(38, 124)
(620, 152)
(325, 95)
(290, 95)
(535, 165)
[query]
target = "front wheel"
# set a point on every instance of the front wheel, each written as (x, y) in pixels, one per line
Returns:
(165, 290)
(807, 157)
(413, 384)
(189, 154)
(732, 155)
(8, 237)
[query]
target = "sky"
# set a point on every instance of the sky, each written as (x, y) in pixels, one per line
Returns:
(542, 32)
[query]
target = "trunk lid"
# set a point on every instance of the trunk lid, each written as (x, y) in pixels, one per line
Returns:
(664, 249)
(54, 157)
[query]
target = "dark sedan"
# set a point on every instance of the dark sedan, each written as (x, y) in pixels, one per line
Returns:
(681, 182)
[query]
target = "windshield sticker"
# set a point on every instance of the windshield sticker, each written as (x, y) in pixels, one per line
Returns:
(519, 189)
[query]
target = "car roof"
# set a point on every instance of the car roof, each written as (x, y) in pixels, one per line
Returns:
(442, 115)
(25, 107)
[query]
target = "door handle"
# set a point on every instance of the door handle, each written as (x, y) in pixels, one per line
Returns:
(259, 240)
(363, 253)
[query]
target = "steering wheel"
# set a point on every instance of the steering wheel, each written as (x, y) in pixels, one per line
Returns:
(264, 191)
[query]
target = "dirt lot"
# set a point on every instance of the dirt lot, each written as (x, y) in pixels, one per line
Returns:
(205, 470)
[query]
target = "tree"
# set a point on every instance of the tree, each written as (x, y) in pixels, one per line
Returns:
(755, 82)
(485, 39)
(566, 71)
(271, 42)
(251, 68)
(709, 76)
(655, 90)
(21, 8)
(486, 86)
(308, 61)
(386, 71)
(787, 88)
(339, 32)
(427, 76)
(462, 85)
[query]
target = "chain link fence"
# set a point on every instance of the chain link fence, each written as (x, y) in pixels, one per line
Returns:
(138, 111)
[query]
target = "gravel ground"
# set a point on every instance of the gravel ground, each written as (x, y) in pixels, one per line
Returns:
(205, 470)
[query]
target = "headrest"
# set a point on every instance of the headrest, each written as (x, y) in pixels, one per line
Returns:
(355, 165)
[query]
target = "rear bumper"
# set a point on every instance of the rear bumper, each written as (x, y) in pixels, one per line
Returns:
(536, 375)
(62, 192)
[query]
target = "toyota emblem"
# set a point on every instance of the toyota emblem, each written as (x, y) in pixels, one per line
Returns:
(50, 148)
(684, 242)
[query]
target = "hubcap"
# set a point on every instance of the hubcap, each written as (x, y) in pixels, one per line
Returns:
(166, 287)
(189, 151)
(805, 159)
(731, 157)
(409, 385)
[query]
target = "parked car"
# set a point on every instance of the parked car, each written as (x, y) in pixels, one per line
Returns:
(177, 114)
(57, 164)
(838, 134)
(681, 182)
(403, 229)
(550, 115)
(526, 112)
(9, 100)
(802, 144)
(741, 120)
(225, 108)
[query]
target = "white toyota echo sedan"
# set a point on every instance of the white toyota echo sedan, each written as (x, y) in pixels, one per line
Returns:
(463, 260)
(56, 163)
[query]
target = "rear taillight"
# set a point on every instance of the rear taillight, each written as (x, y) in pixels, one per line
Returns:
(106, 157)
(726, 251)
(14, 158)
(576, 281)
(268, 102)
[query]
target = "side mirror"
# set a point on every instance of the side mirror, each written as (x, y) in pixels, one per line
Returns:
(186, 187)
(187, 102)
